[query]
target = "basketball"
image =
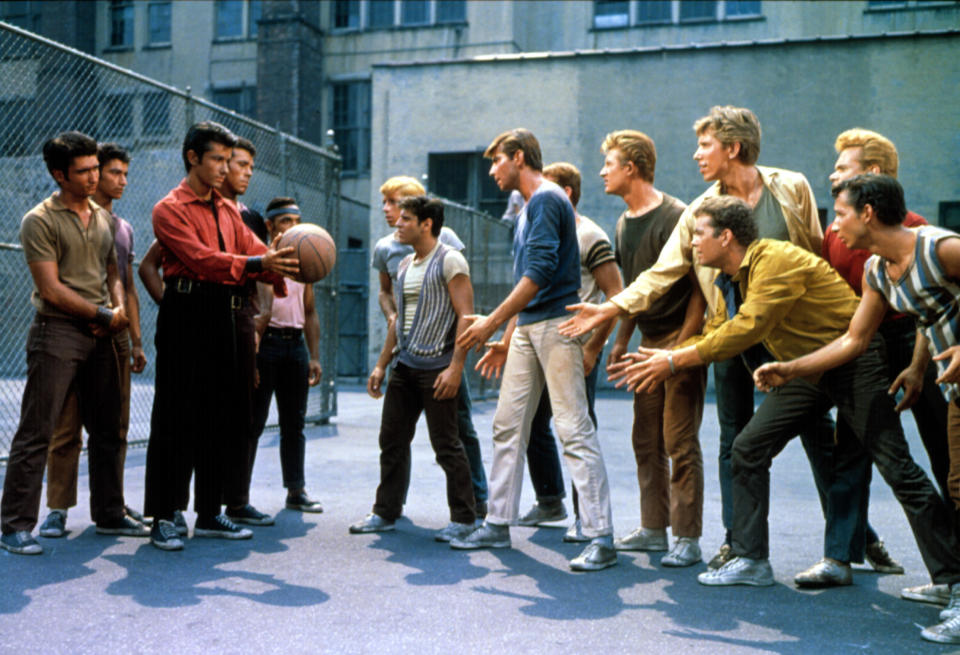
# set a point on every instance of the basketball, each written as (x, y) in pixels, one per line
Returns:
(314, 248)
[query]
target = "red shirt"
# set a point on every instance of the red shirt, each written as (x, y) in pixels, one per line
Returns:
(849, 263)
(185, 226)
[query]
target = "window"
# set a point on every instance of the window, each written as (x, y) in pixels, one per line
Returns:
(463, 177)
(889, 5)
(22, 13)
(237, 19)
(623, 13)
(346, 14)
(155, 114)
(121, 23)
(950, 215)
(380, 13)
(116, 116)
(452, 11)
(158, 23)
(241, 99)
(414, 12)
(351, 124)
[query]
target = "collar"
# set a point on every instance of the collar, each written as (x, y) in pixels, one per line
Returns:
(744, 268)
(183, 193)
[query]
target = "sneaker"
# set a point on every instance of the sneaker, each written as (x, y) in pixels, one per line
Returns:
(936, 594)
(825, 573)
(20, 543)
(165, 536)
(486, 536)
(454, 531)
(180, 523)
(302, 503)
(739, 570)
(55, 525)
(220, 527)
(250, 515)
(372, 523)
(724, 555)
(647, 539)
(881, 561)
(599, 554)
(685, 552)
(544, 513)
(124, 526)
(947, 632)
(574, 534)
(952, 609)
(136, 516)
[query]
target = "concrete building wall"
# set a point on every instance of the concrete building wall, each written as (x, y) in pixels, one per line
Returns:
(803, 93)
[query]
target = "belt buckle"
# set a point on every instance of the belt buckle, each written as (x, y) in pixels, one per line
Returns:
(184, 285)
(236, 302)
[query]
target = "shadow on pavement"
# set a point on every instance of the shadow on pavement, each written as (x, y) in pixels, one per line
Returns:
(183, 578)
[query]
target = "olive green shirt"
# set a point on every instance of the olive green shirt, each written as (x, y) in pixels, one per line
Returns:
(52, 233)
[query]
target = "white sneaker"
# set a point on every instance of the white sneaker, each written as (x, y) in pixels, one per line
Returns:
(685, 552)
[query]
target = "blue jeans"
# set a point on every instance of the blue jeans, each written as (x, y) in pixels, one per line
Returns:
(543, 460)
(471, 444)
(283, 365)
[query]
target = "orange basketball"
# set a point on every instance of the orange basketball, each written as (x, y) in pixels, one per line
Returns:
(314, 248)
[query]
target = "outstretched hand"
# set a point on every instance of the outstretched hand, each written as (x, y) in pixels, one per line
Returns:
(640, 371)
(587, 317)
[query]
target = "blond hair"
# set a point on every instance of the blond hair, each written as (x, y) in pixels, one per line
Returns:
(875, 149)
(403, 186)
(733, 125)
(635, 147)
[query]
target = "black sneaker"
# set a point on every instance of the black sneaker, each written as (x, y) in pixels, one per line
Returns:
(220, 527)
(303, 503)
(180, 523)
(20, 543)
(125, 526)
(137, 516)
(164, 535)
(55, 525)
(250, 515)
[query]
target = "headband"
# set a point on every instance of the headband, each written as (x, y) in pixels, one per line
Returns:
(286, 209)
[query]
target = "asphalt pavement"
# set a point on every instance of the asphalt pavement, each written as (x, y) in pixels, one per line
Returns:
(307, 586)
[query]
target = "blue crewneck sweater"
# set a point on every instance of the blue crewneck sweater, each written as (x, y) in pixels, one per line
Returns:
(546, 250)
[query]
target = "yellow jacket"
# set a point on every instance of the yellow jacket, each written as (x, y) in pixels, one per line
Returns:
(793, 303)
(792, 192)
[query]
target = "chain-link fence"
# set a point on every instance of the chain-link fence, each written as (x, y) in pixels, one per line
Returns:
(47, 89)
(488, 251)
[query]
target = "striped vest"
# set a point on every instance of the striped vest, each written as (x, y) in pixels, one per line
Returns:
(925, 293)
(429, 344)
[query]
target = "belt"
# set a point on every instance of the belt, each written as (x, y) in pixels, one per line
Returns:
(185, 285)
(284, 332)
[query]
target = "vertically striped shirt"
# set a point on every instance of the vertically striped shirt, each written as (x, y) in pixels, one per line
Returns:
(429, 342)
(924, 292)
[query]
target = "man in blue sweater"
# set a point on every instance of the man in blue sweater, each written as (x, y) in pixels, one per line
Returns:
(546, 273)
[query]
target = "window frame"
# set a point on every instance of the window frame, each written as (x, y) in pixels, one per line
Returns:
(248, 30)
(357, 128)
(129, 21)
(160, 43)
(720, 15)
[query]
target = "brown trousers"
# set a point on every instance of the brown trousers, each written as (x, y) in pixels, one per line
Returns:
(666, 425)
(953, 444)
(63, 456)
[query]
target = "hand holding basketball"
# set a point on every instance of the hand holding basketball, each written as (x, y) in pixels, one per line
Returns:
(313, 248)
(279, 260)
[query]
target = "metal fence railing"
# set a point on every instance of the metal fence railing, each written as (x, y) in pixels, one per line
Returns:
(49, 88)
(488, 251)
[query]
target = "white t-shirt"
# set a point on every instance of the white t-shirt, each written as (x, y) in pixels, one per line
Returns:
(454, 264)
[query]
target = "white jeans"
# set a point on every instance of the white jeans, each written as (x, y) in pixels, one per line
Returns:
(540, 354)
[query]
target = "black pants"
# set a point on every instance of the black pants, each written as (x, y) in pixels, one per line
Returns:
(200, 399)
(62, 355)
(859, 391)
(410, 393)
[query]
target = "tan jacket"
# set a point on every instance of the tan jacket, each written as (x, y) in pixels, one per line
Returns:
(792, 192)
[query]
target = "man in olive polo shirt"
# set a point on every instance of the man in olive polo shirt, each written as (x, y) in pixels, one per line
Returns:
(68, 243)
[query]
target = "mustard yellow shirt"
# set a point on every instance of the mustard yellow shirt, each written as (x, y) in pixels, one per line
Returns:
(793, 303)
(790, 189)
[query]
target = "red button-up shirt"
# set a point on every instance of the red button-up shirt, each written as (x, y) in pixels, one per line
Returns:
(185, 226)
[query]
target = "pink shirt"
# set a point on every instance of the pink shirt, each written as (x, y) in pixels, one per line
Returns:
(288, 312)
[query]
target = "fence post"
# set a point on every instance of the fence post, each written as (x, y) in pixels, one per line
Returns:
(283, 160)
(188, 108)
